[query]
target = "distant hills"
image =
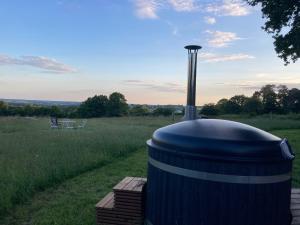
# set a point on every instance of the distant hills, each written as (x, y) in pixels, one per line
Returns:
(22, 102)
(39, 102)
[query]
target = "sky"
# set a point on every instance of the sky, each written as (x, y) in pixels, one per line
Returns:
(73, 49)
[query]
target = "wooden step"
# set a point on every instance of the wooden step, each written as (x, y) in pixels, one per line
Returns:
(295, 206)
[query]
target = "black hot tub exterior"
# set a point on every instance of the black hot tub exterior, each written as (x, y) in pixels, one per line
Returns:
(217, 172)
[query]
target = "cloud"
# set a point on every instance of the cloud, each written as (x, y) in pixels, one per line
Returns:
(156, 86)
(183, 5)
(146, 9)
(49, 65)
(210, 20)
(132, 81)
(241, 84)
(221, 39)
(261, 79)
(278, 78)
(229, 8)
(174, 28)
(211, 57)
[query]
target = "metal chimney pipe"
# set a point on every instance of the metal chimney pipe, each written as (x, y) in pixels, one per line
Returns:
(190, 109)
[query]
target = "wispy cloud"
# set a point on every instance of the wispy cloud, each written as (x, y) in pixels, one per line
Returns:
(210, 20)
(277, 78)
(133, 81)
(174, 28)
(183, 5)
(229, 8)
(261, 79)
(219, 39)
(246, 85)
(48, 64)
(156, 86)
(211, 57)
(147, 9)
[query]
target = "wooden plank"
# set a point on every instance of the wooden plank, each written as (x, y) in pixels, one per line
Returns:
(120, 214)
(296, 212)
(295, 195)
(296, 221)
(107, 201)
(295, 206)
(295, 201)
(131, 184)
(126, 198)
(123, 183)
(296, 191)
(140, 184)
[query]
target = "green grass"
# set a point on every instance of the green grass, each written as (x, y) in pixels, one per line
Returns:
(73, 202)
(293, 135)
(59, 175)
(34, 157)
(265, 122)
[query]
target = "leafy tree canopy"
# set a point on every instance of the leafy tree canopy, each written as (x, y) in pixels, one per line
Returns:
(94, 107)
(269, 98)
(209, 109)
(117, 104)
(139, 110)
(283, 21)
(160, 111)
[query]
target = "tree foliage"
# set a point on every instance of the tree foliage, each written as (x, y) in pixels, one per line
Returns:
(101, 105)
(282, 97)
(117, 104)
(139, 110)
(253, 106)
(210, 110)
(269, 99)
(240, 100)
(283, 21)
(94, 107)
(162, 111)
(294, 100)
(228, 106)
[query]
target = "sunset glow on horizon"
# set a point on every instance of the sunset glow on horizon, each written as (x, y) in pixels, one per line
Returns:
(70, 50)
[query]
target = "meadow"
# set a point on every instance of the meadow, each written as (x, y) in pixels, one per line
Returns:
(33, 157)
(56, 176)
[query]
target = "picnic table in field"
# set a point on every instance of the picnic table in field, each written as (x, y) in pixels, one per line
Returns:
(66, 123)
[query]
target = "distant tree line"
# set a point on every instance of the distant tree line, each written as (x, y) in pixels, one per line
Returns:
(36, 110)
(270, 99)
(97, 106)
(143, 110)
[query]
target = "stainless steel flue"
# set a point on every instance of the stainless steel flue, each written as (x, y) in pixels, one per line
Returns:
(190, 109)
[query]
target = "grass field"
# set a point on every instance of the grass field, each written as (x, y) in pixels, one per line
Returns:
(56, 176)
(33, 157)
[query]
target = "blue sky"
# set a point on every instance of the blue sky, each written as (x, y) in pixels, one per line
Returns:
(73, 49)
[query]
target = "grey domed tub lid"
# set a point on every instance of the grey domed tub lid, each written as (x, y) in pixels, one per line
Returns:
(220, 139)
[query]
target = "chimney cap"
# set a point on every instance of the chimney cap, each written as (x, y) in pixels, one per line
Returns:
(193, 47)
